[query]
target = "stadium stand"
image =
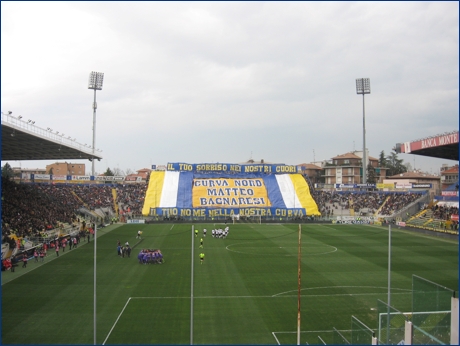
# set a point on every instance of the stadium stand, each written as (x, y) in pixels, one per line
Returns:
(34, 213)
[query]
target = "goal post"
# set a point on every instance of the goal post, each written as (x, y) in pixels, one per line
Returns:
(256, 219)
(397, 322)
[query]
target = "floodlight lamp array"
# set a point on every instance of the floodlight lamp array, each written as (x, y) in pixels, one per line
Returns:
(96, 79)
(363, 86)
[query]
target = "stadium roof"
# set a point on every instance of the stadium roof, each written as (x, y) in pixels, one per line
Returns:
(443, 146)
(22, 140)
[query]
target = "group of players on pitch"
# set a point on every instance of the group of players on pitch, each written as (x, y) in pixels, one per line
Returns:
(220, 233)
(147, 256)
(216, 233)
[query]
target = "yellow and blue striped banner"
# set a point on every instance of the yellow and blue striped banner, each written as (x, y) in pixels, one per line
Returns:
(189, 190)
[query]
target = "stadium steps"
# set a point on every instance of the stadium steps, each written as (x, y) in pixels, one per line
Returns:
(430, 221)
(78, 197)
(439, 224)
(419, 222)
(351, 207)
(115, 205)
(6, 251)
(433, 223)
(337, 209)
(429, 213)
(418, 215)
(380, 208)
(427, 221)
(432, 204)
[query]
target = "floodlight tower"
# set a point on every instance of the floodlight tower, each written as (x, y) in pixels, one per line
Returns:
(95, 82)
(96, 79)
(363, 86)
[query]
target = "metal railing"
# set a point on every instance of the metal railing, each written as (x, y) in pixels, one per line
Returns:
(16, 123)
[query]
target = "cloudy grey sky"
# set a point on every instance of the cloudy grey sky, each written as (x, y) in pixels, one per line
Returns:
(228, 81)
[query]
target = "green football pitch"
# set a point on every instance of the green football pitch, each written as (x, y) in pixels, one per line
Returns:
(245, 292)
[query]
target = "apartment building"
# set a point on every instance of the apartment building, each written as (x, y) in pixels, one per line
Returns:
(65, 168)
(347, 169)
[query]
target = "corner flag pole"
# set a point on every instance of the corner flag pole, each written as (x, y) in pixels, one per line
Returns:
(298, 284)
(191, 287)
(94, 312)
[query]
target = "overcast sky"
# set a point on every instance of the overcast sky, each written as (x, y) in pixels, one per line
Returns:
(203, 82)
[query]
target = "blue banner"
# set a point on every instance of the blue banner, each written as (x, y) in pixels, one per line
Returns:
(227, 212)
(233, 168)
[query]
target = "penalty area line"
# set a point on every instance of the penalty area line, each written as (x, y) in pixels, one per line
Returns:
(116, 321)
(277, 341)
(310, 331)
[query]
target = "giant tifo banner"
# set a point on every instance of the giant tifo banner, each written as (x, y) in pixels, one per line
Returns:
(226, 189)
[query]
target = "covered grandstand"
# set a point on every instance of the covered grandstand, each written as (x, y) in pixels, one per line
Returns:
(442, 146)
(441, 214)
(23, 140)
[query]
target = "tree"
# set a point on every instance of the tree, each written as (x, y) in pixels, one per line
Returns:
(382, 159)
(319, 177)
(118, 172)
(395, 165)
(7, 172)
(108, 173)
(371, 176)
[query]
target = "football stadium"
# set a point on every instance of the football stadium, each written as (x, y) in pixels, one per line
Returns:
(224, 254)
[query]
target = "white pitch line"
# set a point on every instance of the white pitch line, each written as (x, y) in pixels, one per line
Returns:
(315, 288)
(279, 295)
(111, 329)
(310, 331)
(334, 249)
(273, 296)
(315, 331)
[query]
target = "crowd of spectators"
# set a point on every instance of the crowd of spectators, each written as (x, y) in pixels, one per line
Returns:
(385, 203)
(94, 196)
(29, 210)
(327, 201)
(398, 201)
(443, 212)
(130, 198)
(371, 200)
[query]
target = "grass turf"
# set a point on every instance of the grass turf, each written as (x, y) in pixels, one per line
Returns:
(245, 292)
